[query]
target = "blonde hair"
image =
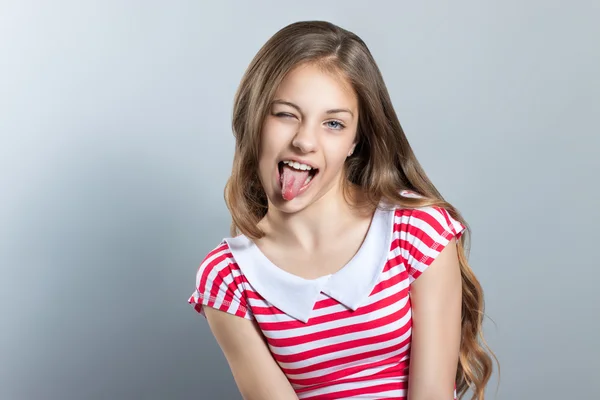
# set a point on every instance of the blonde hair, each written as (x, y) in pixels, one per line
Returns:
(383, 162)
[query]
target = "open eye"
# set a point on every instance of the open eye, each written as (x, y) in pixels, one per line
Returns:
(338, 126)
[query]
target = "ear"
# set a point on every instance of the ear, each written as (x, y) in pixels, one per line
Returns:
(351, 150)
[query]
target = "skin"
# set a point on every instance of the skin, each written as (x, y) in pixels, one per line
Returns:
(324, 140)
(436, 299)
(300, 126)
(296, 233)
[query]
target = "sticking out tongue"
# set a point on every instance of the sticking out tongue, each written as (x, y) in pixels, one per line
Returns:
(291, 182)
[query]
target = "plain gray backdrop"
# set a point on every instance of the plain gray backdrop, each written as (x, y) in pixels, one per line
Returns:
(116, 144)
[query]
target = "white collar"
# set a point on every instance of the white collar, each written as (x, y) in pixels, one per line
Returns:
(296, 296)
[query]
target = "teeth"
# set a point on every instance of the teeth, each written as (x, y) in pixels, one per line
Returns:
(298, 165)
(308, 178)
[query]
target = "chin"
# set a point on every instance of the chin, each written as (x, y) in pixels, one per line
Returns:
(295, 205)
(301, 202)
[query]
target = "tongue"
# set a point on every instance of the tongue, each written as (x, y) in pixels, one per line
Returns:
(291, 182)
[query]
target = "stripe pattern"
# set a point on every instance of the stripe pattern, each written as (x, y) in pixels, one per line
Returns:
(339, 353)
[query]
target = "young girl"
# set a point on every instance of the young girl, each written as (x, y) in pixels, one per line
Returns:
(348, 277)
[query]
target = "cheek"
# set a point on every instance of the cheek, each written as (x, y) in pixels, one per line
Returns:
(337, 155)
(270, 147)
(274, 139)
(267, 152)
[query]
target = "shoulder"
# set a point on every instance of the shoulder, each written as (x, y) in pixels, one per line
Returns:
(430, 220)
(220, 283)
(217, 261)
(421, 233)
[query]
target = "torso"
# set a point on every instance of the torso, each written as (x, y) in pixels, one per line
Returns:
(341, 332)
(339, 351)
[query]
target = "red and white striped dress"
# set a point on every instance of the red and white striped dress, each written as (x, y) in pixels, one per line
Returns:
(342, 336)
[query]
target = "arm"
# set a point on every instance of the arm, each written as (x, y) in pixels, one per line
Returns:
(436, 307)
(256, 373)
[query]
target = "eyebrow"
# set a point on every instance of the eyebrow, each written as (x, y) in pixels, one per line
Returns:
(332, 111)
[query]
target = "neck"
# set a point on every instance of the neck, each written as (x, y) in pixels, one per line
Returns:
(311, 227)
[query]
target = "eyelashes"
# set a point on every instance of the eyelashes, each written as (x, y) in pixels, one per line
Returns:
(341, 126)
(338, 127)
(281, 114)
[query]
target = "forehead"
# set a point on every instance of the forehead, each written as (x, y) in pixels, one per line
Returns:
(312, 87)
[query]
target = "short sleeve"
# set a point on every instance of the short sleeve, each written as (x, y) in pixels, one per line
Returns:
(423, 233)
(220, 285)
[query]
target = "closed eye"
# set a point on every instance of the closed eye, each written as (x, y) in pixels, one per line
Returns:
(286, 115)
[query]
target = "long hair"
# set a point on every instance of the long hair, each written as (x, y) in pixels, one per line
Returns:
(382, 165)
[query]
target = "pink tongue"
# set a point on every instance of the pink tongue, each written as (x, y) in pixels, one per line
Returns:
(291, 182)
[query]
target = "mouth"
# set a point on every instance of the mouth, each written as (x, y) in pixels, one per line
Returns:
(295, 178)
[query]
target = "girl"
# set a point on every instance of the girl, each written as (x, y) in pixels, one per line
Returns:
(346, 274)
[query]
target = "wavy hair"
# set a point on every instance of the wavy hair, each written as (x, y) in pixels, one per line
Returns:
(382, 165)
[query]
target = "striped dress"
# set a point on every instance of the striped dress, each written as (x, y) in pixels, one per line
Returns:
(342, 336)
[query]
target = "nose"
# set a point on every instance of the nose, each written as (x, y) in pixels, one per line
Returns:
(305, 139)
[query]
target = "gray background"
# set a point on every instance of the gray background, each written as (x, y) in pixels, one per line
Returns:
(116, 144)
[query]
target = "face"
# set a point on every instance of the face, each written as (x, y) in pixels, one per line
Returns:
(307, 135)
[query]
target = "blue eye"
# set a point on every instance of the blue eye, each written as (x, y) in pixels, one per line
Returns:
(340, 126)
